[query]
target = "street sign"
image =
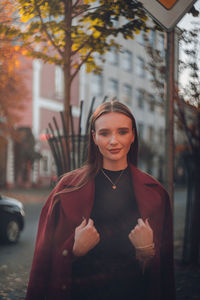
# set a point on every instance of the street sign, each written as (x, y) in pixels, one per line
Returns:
(167, 12)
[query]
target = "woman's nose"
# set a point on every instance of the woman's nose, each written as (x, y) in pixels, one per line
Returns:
(113, 139)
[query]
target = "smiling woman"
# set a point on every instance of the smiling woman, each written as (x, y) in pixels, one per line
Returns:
(113, 135)
(105, 231)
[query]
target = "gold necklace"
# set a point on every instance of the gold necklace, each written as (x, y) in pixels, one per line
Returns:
(114, 184)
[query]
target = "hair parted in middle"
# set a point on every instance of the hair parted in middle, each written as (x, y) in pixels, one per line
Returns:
(95, 159)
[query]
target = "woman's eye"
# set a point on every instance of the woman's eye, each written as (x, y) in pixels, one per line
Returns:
(122, 132)
(104, 133)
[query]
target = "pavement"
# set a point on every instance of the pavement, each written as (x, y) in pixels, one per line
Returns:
(187, 277)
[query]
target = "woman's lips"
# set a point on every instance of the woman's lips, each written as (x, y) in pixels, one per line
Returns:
(114, 151)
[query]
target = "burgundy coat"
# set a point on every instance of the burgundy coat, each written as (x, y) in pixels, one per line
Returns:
(51, 269)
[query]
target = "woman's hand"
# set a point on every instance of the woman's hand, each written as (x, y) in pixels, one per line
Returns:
(86, 237)
(142, 235)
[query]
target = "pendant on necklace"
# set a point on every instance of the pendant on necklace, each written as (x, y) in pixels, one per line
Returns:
(114, 187)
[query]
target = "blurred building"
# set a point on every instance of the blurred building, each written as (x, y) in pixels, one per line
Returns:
(125, 77)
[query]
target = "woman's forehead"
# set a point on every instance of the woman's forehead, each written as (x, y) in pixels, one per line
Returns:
(113, 120)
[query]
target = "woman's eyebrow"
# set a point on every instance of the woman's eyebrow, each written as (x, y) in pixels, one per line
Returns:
(104, 129)
(124, 128)
(107, 129)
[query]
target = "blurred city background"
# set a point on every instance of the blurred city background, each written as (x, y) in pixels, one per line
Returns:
(49, 90)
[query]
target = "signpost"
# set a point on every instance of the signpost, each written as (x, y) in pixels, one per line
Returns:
(168, 13)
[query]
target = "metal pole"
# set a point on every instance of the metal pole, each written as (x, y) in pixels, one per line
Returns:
(169, 117)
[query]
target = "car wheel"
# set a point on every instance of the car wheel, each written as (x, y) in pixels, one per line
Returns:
(12, 231)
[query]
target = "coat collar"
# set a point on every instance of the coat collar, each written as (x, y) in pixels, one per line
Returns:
(146, 194)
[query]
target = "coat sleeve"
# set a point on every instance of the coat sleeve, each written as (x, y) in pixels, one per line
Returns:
(166, 255)
(42, 255)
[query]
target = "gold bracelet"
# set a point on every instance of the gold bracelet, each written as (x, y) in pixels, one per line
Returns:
(145, 247)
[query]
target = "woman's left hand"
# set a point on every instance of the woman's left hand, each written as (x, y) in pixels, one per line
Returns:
(142, 234)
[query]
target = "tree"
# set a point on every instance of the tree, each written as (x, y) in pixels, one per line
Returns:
(187, 111)
(12, 84)
(68, 33)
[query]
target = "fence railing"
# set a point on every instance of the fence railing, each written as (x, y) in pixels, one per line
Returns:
(69, 147)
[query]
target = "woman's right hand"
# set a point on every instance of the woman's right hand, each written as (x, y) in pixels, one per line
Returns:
(86, 237)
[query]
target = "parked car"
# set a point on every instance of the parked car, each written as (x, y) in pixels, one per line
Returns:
(11, 219)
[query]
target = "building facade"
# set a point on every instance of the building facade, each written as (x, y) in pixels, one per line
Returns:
(125, 77)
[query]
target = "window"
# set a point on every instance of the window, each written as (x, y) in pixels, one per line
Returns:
(140, 98)
(45, 163)
(141, 130)
(152, 38)
(127, 61)
(151, 133)
(115, 22)
(113, 88)
(151, 72)
(127, 93)
(140, 67)
(97, 85)
(113, 57)
(151, 102)
(161, 136)
(140, 37)
(161, 44)
(59, 82)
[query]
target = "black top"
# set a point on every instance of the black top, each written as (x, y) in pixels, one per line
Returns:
(115, 214)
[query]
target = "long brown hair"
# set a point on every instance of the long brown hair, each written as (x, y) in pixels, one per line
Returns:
(94, 160)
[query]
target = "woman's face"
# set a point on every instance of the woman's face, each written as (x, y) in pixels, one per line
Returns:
(114, 135)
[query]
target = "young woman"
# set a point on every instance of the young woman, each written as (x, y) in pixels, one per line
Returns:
(105, 231)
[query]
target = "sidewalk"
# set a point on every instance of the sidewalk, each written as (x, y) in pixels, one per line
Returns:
(187, 277)
(187, 280)
(28, 195)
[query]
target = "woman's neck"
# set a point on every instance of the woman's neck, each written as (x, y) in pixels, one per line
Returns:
(115, 166)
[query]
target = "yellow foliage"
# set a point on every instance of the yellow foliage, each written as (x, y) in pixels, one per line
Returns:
(89, 68)
(17, 63)
(96, 34)
(86, 20)
(24, 52)
(89, 1)
(76, 65)
(137, 31)
(74, 47)
(83, 51)
(144, 18)
(16, 48)
(24, 18)
(10, 68)
(96, 22)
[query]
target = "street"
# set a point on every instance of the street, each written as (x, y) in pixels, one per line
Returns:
(15, 260)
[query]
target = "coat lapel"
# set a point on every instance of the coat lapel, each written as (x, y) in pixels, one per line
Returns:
(147, 197)
(78, 204)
